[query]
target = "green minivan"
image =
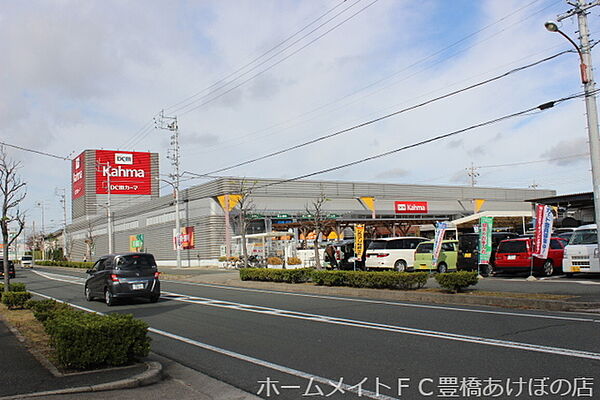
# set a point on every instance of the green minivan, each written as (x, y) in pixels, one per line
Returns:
(446, 261)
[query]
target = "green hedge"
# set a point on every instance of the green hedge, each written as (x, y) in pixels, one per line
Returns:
(84, 341)
(457, 281)
(45, 309)
(13, 287)
(15, 299)
(378, 280)
(276, 275)
(70, 264)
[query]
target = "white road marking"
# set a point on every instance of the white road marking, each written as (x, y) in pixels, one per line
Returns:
(243, 357)
(377, 326)
(354, 300)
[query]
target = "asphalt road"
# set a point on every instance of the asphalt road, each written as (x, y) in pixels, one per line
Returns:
(309, 344)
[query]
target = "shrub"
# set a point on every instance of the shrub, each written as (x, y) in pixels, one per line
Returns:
(84, 341)
(457, 281)
(47, 308)
(276, 275)
(13, 287)
(294, 261)
(377, 280)
(70, 264)
(274, 261)
(15, 299)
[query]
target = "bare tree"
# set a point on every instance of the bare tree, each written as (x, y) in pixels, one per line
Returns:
(89, 241)
(244, 206)
(13, 192)
(317, 219)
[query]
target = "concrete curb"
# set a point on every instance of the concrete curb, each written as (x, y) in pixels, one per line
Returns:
(407, 295)
(153, 374)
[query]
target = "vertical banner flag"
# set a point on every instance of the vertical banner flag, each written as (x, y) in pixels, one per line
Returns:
(440, 229)
(359, 241)
(485, 239)
(543, 228)
(136, 243)
(185, 239)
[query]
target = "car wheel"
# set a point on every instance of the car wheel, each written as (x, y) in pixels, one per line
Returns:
(442, 268)
(548, 268)
(400, 266)
(487, 270)
(109, 299)
(88, 294)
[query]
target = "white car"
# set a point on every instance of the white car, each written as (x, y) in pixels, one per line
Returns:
(581, 254)
(395, 252)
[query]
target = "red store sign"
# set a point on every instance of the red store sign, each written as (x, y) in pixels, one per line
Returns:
(129, 172)
(411, 207)
(78, 176)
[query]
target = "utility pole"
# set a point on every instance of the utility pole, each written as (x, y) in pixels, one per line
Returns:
(108, 210)
(473, 174)
(580, 8)
(61, 193)
(41, 205)
(170, 124)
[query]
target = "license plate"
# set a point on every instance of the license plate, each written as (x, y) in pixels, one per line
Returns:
(467, 255)
(575, 268)
(511, 257)
(137, 286)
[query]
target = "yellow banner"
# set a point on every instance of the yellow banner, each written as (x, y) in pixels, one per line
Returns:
(359, 241)
(478, 204)
(369, 202)
(234, 199)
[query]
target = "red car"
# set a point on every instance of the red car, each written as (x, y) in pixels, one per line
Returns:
(514, 255)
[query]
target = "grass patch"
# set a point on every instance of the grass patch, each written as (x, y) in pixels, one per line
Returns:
(515, 295)
(31, 329)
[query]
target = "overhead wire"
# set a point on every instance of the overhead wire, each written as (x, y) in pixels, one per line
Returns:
(381, 118)
(147, 131)
(237, 139)
(544, 106)
(43, 153)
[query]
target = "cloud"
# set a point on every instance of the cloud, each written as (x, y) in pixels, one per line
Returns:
(563, 151)
(392, 173)
(207, 139)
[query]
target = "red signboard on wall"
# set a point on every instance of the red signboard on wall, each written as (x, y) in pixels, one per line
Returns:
(411, 207)
(130, 172)
(78, 176)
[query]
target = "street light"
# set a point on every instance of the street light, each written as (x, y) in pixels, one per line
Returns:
(587, 79)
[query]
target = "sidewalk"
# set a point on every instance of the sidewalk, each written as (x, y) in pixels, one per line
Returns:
(156, 378)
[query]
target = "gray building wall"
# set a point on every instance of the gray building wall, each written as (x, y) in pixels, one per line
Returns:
(200, 209)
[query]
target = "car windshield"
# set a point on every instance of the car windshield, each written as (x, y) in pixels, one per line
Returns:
(135, 261)
(513, 246)
(424, 248)
(26, 258)
(378, 245)
(584, 236)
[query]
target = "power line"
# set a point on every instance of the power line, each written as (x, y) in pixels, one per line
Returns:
(427, 141)
(14, 146)
(402, 70)
(277, 62)
(534, 162)
(144, 131)
(381, 118)
(169, 108)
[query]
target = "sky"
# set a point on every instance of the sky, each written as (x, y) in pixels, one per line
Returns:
(247, 78)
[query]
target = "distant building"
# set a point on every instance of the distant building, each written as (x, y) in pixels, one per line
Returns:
(149, 222)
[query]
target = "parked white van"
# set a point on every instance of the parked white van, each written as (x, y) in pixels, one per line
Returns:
(395, 252)
(581, 254)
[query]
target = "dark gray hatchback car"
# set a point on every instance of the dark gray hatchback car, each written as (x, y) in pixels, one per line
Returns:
(126, 275)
